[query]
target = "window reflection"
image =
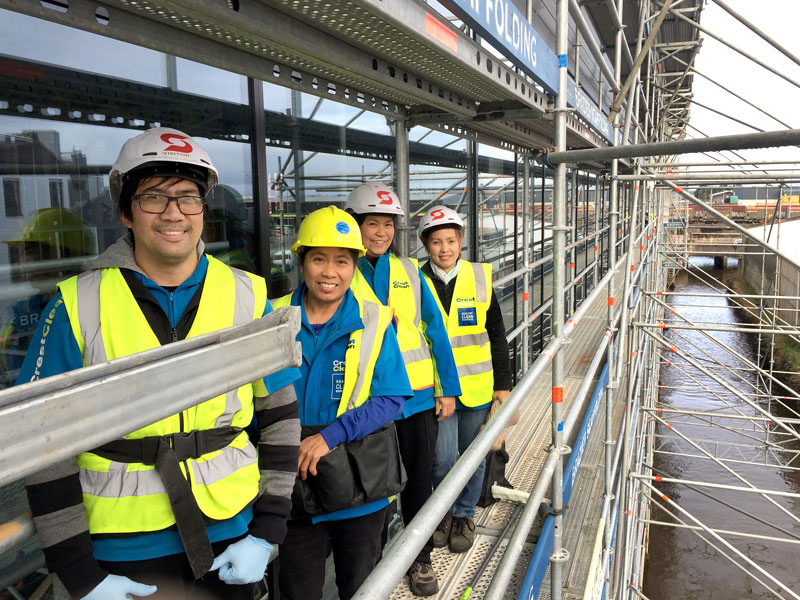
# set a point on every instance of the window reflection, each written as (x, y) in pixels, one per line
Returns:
(56, 151)
(42, 41)
(51, 246)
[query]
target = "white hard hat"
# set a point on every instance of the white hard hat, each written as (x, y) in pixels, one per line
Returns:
(438, 216)
(373, 197)
(161, 151)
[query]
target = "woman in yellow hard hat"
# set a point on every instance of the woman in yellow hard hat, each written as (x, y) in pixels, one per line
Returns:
(384, 276)
(352, 385)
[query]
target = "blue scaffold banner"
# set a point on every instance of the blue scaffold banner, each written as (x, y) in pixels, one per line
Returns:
(586, 108)
(501, 23)
(507, 29)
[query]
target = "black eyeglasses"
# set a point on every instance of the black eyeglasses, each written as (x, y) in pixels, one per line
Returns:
(156, 204)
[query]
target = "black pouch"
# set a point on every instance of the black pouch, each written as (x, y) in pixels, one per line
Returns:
(353, 474)
(376, 460)
(495, 472)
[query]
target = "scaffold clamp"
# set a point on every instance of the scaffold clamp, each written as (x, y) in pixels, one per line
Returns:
(546, 510)
(561, 556)
(542, 158)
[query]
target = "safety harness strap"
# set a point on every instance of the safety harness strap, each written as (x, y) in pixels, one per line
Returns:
(188, 517)
(166, 453)
(192, 444)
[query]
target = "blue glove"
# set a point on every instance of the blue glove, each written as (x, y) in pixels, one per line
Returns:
(244, 561)
(116, 587)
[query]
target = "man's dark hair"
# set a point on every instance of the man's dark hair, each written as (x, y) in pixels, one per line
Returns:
(163, 170)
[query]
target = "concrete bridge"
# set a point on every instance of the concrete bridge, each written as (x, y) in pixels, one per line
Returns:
(714, 240)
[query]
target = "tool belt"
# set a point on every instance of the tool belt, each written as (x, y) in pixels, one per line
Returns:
(165, 453)
(352, 474)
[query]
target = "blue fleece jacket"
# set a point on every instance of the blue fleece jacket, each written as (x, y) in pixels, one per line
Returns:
(319, 388)
(444, 364)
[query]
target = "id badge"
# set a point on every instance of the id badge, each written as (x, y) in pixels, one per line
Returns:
(337, 386)
(467, 316)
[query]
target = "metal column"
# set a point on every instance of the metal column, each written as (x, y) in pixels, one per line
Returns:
(401, 185)
(526, 258)
(560, 554)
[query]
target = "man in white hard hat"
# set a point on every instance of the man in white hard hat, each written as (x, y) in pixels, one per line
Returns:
(174, 510)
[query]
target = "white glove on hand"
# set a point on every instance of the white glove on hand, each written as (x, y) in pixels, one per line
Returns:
(116, 587)
(244, 561)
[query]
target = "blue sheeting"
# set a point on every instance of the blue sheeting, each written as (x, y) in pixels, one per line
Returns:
(541, 554)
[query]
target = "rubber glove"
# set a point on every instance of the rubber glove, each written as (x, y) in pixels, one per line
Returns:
(116, 587)
(244, 561)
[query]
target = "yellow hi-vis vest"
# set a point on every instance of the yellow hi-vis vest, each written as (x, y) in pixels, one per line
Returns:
(108, 323)
(362, 352)
(466, 328)
(405, 298)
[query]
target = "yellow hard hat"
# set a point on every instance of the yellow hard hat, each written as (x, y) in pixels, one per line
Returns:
(59, 228)
(329, 227)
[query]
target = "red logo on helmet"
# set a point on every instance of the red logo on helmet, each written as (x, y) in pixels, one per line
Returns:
(172, 139)
(437, 214)
(385, 196)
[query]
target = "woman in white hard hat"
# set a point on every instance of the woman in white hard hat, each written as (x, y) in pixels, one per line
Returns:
(475, 325)
(395, 281)
(351, 386)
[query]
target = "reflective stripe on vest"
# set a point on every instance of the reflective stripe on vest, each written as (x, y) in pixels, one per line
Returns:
(405, 298)
(363, 349)
(107, 323)
(466, 328)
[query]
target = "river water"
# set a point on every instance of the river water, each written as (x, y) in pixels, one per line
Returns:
(680, 564)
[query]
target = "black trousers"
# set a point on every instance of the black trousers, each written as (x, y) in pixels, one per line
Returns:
(417, 436)
(356, 547)
(173, 576)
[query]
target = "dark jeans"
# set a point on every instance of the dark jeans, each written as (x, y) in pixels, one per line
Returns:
(356, 546)
(417, 437)
(455, 436)
(173, 576)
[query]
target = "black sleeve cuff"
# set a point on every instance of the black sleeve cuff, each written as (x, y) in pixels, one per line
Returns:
(79, 576)
(269, 518)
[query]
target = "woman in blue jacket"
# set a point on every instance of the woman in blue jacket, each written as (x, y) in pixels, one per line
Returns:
(383, 276)
(350, 388)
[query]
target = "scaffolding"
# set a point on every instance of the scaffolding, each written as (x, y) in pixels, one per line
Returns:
(648, 335)
(602, 343)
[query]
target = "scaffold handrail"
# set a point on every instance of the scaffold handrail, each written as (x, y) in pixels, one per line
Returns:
(58, 417)
(403, 551)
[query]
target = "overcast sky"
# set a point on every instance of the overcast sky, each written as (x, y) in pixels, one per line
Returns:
(780, 20)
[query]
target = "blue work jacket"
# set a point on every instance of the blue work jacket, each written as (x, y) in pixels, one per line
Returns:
(319, 387)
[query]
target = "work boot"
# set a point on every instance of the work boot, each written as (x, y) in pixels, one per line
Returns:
(422, 580)
(441, 536)
(463, 534)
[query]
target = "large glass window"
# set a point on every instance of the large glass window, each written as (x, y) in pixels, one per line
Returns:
(57, 147)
